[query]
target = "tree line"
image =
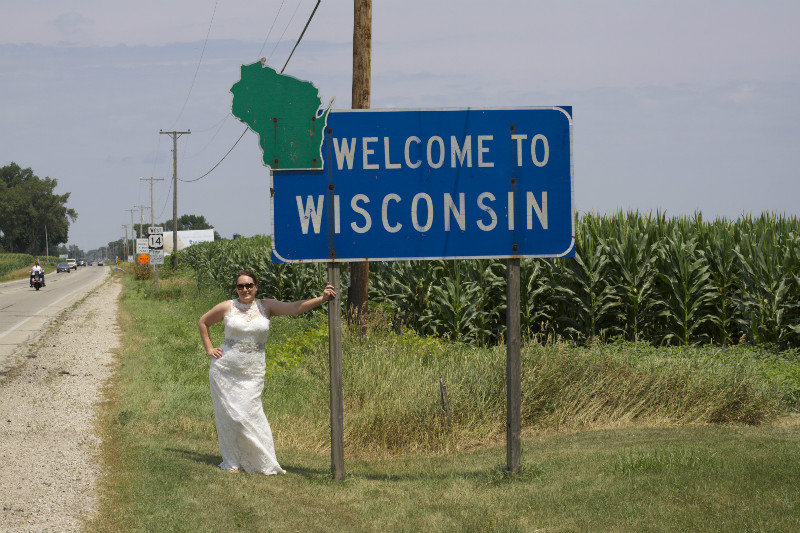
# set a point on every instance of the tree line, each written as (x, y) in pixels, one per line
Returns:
(32, 215)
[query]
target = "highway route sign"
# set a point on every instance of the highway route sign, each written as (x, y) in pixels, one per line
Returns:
(155, 242)
(431, 184)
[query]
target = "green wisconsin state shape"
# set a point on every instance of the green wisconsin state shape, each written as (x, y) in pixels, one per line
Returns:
(285, 112)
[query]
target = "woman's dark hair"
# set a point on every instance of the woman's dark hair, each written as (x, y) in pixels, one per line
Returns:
(247, 273)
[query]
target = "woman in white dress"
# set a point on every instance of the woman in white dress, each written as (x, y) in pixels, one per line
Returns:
(237, 371)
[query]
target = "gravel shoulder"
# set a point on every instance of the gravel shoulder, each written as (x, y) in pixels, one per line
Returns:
(49, 449)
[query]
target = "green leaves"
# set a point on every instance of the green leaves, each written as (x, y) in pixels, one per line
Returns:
(769, 262)
(28, 204)
(635, 277)
(633, 254)
(686, 290)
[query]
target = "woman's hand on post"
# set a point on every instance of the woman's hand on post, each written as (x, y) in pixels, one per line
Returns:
(329, 293)
(216, 353)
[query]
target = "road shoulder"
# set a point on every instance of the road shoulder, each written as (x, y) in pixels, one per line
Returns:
(48, 446)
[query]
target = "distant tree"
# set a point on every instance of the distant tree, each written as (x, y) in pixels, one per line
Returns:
(28, 205)
(190, 222)
(116, 249)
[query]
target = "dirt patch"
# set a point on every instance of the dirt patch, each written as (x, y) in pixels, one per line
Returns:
(49, 450)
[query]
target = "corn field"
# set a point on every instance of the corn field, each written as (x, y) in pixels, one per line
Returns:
(638, 277)
(9, 262)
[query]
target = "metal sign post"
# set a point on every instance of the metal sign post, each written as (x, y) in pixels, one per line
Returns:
(513, 368)
(335, 355)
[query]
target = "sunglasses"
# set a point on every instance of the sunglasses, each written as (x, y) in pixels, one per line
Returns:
(243, 286)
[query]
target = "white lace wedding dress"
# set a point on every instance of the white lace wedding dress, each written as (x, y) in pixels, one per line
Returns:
(237, 380)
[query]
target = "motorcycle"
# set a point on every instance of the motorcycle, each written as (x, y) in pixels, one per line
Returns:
(38, 282)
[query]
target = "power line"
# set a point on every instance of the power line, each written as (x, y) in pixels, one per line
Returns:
(218, 162)
(219, 128)
(270, 28)
(155, 156)
(218, 125)
(301, 35)
(282, 69)
(284, 31)
(202, 53)
(166, 199)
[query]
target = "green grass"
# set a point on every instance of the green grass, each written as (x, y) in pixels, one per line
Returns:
(636, 479)
(616, 437)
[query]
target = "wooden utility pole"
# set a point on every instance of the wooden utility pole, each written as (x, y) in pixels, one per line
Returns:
(151, 180)
(126, 241)
(175, 135)
(141, 218)
(133, 227)
(357, 297)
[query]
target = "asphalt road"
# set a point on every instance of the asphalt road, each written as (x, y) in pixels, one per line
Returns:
(25, 312)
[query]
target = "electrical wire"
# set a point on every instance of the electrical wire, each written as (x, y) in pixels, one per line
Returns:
(222, 122)
(301, 35)
(219, 128)
(270, 28)
(218, 162)
(202, 53)
(155, 156)
(166, 199)
(216, 125)
(284, 68)
(284, 31)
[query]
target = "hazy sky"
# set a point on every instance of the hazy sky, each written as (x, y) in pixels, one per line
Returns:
(678, 105)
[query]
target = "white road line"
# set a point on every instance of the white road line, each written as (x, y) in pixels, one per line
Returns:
(39, 311)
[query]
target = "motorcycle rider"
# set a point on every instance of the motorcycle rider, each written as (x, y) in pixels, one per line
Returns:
(36, 268)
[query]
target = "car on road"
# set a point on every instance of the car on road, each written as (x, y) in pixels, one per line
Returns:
(72, 263)
(63, 267)
(81, 262)
(100, 263)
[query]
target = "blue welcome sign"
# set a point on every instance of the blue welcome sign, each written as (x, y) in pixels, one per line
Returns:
(431, 184)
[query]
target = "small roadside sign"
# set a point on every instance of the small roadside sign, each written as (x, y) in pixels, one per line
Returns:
(155, 230)
(143, 258)
(142, 246)
(156, 256)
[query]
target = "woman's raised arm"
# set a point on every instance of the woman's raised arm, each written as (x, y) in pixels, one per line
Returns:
(278, 308)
